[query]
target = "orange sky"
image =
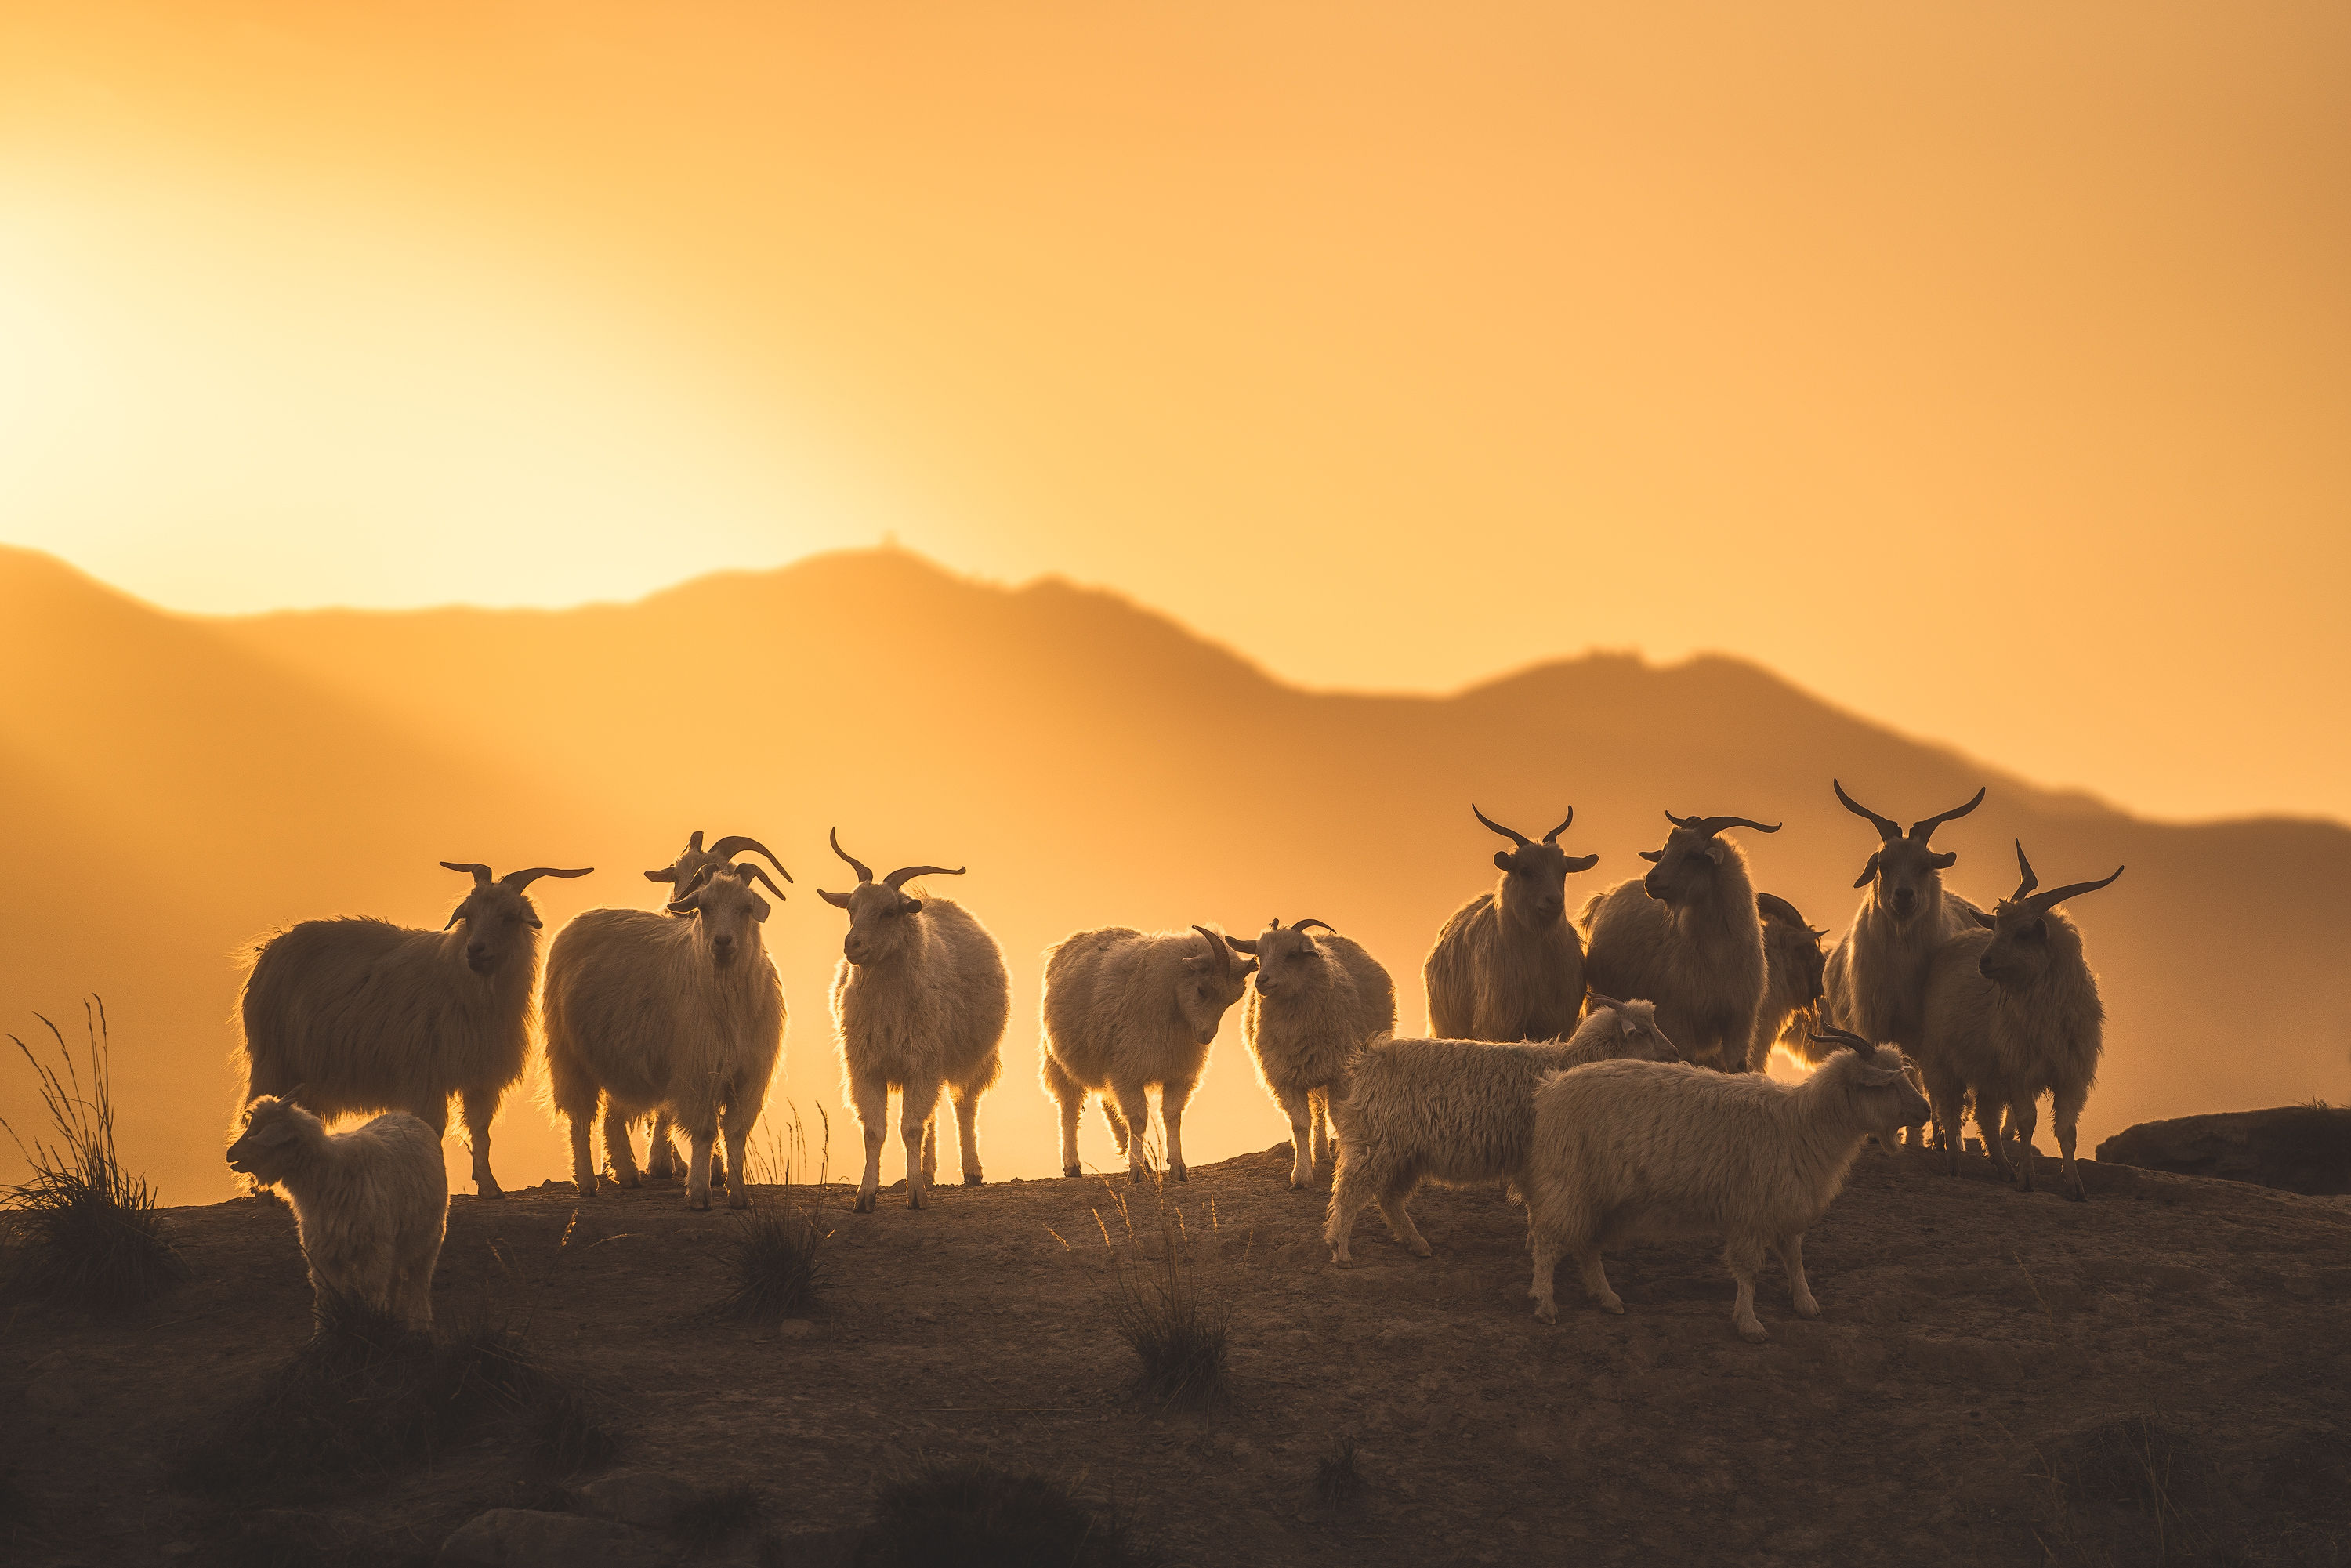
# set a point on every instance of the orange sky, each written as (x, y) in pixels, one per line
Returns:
(1986, 368)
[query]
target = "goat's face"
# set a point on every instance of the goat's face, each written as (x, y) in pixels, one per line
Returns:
(1287, 960)
(2021, 946)
(1908, 878)
(499, 920)
(1887, 1098)
(881, 922)
(1535, 882)
(729, 910)
(1686, 869)
(273, 1131)
(1207, 985)
(1796, 949)
(1638, 1038)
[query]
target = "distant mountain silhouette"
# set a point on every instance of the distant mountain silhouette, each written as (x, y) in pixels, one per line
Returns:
(177, 785)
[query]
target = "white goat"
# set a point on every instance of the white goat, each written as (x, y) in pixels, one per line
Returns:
(2014, 1013)
(1126, 1011)
(1686, 938)
(1875, 983)
(1459, 1113)
(1509, 965)
(662, 1162)
(368, 1016)
(685, 1018)
(919, 1000)
(370, 1205)
(1629, 1151)
(1313, 1006)
(1792, 968)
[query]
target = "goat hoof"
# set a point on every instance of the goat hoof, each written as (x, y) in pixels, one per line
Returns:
(1069, 1170)
(1753, 1334)
(492, 1190)
(1545, 1312)
(1612, 1304)
(975, 1179)
(864, 1203)
(1420, 1249)
(698, 1205)
(1178, 1173)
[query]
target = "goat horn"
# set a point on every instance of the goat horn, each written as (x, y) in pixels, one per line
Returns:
(1847, 1039)
(906, 873)
(1512, 834)
(1593, 1000)
(733, 845)
(1925, 830)
(1302, 925)
(2044, 902)
(519, 879)
(1888, 829)
(859, 866)
(1552, 837)
(1711, 826)
(1217, 948)
(1771, 907)
(747, 871)
(481, 872)
(2028, 882)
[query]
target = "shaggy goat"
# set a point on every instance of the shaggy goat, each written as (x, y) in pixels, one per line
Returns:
(1126, 1011)
(370, 1205)
(1792, 966)
(679, 1017)
(662, 1162)
(1314, 1005)
(1509, 965)
(1685, 936)
(368, 1016)
(1877, 978)
(1459, 1113)
(1628, 1151)
(2014, 1013)
(919, 1002)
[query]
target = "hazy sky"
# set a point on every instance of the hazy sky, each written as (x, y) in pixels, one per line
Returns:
(1984, 368)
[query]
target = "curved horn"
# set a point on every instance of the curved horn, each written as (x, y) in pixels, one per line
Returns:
(1302, 925)
(745, 871)
(1711, 826)
(906, 873)
(733, 845)
(1593, 1000)
(1512, 834)
(1888, 829)
(481, 872)
(2044, 902)
(519, 879)
(1847, 1038)
(838, 900)
(1771, 907)
(1217, 948)
(1681, 821)
(1239, 945)
(2024, 868)
(855, 864)
(1552, 837)
(1922, 831)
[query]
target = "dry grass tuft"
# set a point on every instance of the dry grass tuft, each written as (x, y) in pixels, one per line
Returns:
(778, 1244)
(1176, 1322)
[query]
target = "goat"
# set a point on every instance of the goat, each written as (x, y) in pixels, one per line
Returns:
(2014, 1013)
(919, 1001)
(1459, 1112)
(1792, 966)
(1125, 1011)
(1509, 965)
(684, 1018)
(1313, 1006)
(1876, 978)
(1686, 936)
(368, 1016)
(1628, 1151)
(370, 1205)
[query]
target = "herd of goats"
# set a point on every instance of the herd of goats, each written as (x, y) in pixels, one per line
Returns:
(1606, 1069)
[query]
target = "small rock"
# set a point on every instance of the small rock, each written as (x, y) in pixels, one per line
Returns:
(527, 1538)
(795, 1328)
(644, 1498)
(53, 1393)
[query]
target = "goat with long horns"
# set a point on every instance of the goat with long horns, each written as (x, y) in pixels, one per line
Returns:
(1508, 964)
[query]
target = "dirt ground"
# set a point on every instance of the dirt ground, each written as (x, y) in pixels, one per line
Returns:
(2157, 1374)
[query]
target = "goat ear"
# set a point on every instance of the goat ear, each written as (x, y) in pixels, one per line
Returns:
(1715, 850)
(1502, 860)
(912, 907)
(1250, 967)
(838, 900)
(1943, 861)
(667, 873)
(1867, 871)
(686, 906)
(759, 910)
(1653, 854)
(1581, 862)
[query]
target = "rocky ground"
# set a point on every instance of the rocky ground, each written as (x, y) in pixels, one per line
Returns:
(2157, 1375)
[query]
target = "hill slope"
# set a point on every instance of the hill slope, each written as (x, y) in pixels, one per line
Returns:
(1093, 763)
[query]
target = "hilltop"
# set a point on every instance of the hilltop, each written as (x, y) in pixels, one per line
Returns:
(1998, 1378)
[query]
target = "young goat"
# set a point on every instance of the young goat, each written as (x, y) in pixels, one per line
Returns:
(1685, 936)
(1459, 1113)
(1314, 1005)
(682, 1019)
(919, 1001)
(1627, 1151)
(1508, 964)
(2014, 1013)
(1126, 1011)
(370, 1205)
(369, 1016)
